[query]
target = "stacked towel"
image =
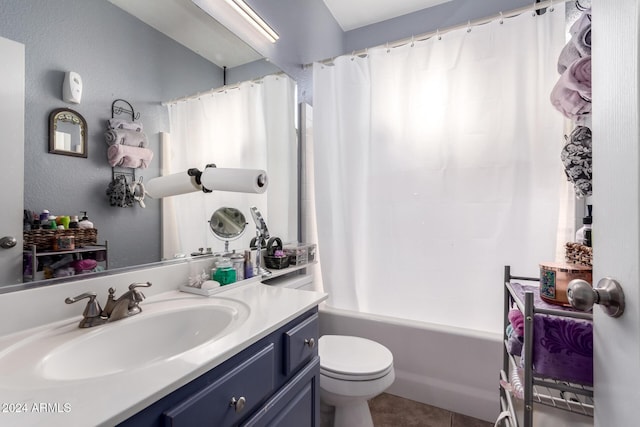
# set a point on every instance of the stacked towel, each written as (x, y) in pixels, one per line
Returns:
(126, 137)
(572, 94)
(124, 124)
(580, 44)
(128, 145)
(129, 157)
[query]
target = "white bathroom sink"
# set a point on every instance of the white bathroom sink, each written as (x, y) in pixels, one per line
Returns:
(161, 332)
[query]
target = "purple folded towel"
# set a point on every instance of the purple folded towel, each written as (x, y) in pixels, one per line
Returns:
(572, 94)
(129, 157)
(562, 346)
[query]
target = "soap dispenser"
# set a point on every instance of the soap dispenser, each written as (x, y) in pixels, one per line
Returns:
(583, 235)
(84, 222)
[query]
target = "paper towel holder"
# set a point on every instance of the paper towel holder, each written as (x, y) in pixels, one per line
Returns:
(200, 176)
(195, 172)
(209, 179)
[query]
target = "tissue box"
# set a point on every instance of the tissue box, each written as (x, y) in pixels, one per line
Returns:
(300, 254)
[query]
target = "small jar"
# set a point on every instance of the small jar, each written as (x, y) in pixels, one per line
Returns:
(237, 262)
(224, 274)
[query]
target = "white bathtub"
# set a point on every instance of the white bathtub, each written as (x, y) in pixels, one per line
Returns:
(451, 368)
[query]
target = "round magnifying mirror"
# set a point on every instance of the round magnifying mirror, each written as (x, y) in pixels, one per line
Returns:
(227, 224)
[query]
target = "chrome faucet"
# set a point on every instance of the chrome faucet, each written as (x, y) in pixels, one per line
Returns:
(115, 309)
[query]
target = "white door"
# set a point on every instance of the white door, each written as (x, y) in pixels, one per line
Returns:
(12, 165)
(616, 158)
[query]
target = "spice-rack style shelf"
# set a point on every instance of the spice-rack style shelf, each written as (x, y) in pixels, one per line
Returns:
(557, 393)
(77, 253)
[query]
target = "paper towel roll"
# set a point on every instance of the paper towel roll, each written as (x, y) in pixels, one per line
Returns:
(171, 185)
(216, 179)
(237, 180)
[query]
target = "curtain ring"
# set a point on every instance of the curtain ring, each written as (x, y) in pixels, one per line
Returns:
(468, 26)
(551, 8)
(353, 55)
(388, 50)
(438, 34)
(535, 11)
(501, 18)
(412, 42)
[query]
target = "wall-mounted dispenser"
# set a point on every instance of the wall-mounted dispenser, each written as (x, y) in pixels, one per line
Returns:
(72, 87)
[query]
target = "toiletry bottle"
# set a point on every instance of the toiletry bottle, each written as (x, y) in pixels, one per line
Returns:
(73, 223)
(588, 224)
(84, 222)
(583, 235)
(248, 266)
(36, 222)
(52, 222)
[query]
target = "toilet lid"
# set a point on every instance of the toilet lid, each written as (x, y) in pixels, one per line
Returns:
(353, 357)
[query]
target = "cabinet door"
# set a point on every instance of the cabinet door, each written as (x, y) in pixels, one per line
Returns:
(250, 383)
(301, 344)
(297, 404)
(12, 72)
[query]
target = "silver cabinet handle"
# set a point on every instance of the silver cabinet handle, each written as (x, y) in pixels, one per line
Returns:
(238, 403)
(608, 293)
(310, 342)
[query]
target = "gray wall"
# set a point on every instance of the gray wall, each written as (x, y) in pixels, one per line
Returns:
(117, 56)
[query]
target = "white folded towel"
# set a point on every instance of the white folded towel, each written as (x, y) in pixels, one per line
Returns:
(124, 124)
(126, 137)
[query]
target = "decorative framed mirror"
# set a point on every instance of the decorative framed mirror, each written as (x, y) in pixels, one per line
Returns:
(67, 133)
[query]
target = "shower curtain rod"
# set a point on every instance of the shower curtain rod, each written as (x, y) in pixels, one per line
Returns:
(472, 23)
(216, 90)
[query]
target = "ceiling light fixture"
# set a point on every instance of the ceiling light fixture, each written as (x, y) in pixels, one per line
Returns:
(254, 19)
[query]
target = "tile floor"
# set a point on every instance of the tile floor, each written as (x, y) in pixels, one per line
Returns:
(388, 410)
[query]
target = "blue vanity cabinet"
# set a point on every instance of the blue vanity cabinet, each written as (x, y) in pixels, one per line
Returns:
(295, 405)
(273, 382)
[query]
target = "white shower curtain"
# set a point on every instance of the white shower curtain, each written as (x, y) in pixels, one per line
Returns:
(251, 126)
(436, 164)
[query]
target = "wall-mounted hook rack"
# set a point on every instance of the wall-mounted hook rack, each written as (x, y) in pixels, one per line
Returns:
(121, 109)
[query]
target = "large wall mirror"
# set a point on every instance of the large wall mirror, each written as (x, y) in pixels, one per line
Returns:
(122, 56)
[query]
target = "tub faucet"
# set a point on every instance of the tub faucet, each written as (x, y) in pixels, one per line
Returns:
(125, 306)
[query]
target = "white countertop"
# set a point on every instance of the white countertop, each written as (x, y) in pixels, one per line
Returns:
(109, 399)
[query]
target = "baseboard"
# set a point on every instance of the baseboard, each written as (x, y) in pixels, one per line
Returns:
(478, 403)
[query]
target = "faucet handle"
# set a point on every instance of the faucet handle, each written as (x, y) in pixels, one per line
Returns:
(92, 312)
(137, 295)
(139, 285)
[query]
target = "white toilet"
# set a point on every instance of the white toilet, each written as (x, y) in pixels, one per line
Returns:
(352, 371)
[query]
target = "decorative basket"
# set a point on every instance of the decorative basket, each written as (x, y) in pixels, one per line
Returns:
(270, 259)
(576, 253)
(43, 238)
(276, 263)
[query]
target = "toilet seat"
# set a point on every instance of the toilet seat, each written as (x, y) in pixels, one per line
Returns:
(353, 358)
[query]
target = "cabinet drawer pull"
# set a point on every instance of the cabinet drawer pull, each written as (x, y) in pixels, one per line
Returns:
(238, 404)
(310, 342)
